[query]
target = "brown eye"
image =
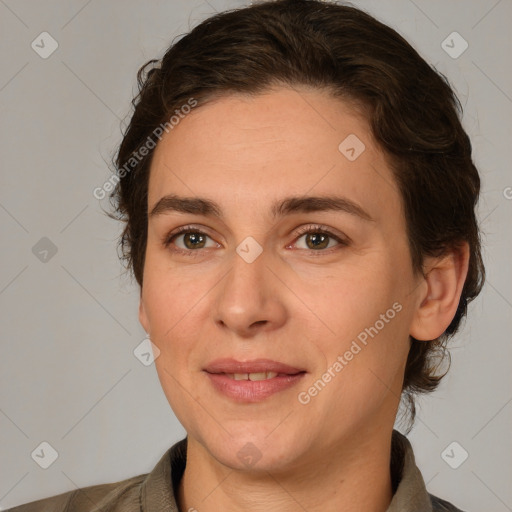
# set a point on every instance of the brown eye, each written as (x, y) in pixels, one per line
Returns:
(189, 240)
(194, 240)
(317, 240)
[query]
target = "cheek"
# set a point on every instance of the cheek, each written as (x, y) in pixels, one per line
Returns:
(360, 373)
(175, 302)
(172, 321)
(353, 298)
(168, 298)
(368, 318)
(166, 314)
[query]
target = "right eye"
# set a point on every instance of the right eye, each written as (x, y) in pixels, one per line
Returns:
(188, 239)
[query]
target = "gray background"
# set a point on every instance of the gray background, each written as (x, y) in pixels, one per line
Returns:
(69, 324)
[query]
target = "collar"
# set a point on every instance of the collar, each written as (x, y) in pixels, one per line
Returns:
(411, 494)
(159, 486)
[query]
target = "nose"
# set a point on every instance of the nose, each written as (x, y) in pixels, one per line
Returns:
(250, 298)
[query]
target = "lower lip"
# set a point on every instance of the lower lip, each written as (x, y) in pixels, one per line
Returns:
(252, 391)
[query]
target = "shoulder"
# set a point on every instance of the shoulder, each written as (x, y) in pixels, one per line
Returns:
(439, 505)
(150, 491)
(123, 495)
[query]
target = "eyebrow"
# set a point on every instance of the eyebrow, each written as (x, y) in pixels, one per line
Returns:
(286, 206)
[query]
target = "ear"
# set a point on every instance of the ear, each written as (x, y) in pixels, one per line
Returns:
(444, 280)
(143, 317)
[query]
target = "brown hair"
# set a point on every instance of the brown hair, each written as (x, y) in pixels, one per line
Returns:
(412, 110)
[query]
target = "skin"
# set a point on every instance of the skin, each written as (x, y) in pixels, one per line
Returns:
(293, 304)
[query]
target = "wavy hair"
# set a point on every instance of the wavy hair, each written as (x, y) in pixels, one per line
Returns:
(413, 112)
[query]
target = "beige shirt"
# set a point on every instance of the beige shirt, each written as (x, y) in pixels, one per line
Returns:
(155, 491)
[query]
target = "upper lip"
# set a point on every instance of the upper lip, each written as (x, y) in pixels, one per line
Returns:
(255, 366)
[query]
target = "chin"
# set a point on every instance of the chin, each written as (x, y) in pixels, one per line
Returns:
(255, 452)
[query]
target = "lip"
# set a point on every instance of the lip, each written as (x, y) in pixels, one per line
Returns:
(251, 391)
(254, 366)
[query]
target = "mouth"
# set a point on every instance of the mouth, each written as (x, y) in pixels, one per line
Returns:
(254, 367)
(252, 381)
(253, 376)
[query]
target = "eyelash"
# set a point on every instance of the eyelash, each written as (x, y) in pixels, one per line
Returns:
(316, 228)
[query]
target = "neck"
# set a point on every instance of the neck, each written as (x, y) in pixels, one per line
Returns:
(352, 477)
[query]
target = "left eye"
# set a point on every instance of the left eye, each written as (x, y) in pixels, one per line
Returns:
(315, 240)
(191, 240)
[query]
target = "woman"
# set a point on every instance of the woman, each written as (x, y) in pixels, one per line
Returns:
(299, 203)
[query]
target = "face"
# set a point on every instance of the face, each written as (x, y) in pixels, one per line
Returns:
(290, 255)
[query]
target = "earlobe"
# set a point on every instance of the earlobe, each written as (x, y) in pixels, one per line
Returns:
(444, 277)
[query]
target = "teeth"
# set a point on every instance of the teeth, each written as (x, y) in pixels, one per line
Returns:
(253, 376)
(258, 376)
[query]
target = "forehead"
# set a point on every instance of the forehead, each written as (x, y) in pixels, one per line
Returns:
(254, 148)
